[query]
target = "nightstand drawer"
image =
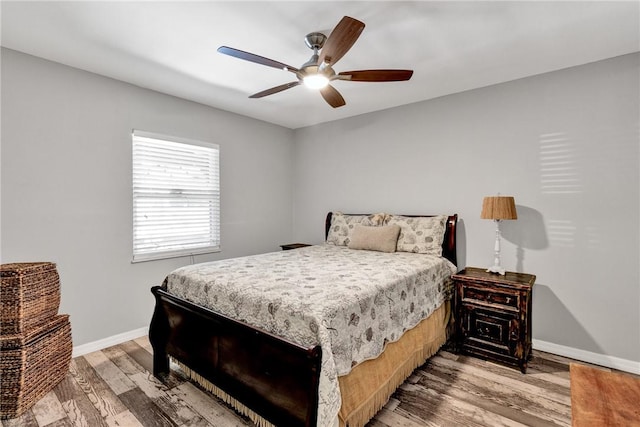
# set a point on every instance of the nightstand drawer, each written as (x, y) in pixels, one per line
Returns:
(491, 297)
(491, 328)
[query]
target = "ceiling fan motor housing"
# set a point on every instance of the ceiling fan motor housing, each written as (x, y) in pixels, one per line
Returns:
(315, 41)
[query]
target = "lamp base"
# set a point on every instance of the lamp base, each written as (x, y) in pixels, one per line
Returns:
(496, 269)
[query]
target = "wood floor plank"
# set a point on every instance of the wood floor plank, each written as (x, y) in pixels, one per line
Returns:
(122, 360)
(565, 361)
(545, 362)
(117, 380)
(494, 387)
(210, 408)
(450, 406)
(139, 354)
(392, 404)
(77, 415)
(123, 419)
(377, 423)
(179, 412)
(532, 377)
(559, 379)
(64, 422)
(429, 408)
(25, 420)
(79, 409)
(129, 365)
(144, 343)
(449, 380)
(517, 384)
(394, 419)
(507, 406)
(167, 400)
(149, 385)
(394, 415)
(98, 391)
(48, 410)
(65, 389)
(145, 410)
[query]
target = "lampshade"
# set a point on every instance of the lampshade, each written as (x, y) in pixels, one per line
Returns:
(499, 207)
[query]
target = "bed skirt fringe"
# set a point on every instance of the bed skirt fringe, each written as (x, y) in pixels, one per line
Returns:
(222, 395)
(386, 373)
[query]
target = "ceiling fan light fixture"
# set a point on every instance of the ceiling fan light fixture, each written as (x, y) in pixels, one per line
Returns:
(315, 81)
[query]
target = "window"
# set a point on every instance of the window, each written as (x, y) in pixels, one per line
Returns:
(176, 197)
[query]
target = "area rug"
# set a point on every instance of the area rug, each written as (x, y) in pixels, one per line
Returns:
(602, 398)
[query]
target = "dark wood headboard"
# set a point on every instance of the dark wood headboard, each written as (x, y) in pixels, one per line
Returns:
(448, 244)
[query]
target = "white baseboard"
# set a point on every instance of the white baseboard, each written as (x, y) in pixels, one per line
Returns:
(589, 357)
(108, 342)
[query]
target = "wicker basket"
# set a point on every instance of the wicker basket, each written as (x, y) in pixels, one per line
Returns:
(29, 295)
(32, 364)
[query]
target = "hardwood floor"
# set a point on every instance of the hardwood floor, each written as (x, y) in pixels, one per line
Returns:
(114, 387)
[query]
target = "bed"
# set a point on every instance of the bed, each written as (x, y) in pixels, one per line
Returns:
(281, 356)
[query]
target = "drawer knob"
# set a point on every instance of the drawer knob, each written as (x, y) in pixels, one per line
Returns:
(508, 300)
(484, 331)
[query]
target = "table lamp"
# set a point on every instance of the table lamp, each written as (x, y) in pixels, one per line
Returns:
(498, 208)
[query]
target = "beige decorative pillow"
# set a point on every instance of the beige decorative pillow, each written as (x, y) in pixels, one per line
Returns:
(343, 225)
(382, 238)
(422, 235)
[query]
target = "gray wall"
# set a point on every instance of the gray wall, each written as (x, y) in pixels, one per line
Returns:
(66, 185)
(564, 144)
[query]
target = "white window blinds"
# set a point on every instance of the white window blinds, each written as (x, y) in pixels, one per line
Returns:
(176, 197)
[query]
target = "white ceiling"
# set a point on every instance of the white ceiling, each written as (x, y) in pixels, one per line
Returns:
(452, 46)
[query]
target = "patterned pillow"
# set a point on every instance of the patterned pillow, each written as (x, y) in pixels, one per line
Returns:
(342, 226)
(422, 235)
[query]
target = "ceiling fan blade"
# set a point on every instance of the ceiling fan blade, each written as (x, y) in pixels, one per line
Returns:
(236, 53)
(275, 90)
(376, 75)
(343, 36)
(332, 96)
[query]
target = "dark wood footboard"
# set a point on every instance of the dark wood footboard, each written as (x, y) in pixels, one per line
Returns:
(277, 379)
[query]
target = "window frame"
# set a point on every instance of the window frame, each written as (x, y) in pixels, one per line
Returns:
(143, 256)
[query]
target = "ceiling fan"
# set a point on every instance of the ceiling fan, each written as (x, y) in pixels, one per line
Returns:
(318, 71)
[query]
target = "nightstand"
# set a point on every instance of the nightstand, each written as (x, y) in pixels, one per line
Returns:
(290, 246)
(493, 315)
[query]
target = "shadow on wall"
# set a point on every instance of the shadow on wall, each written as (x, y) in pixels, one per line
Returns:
(527, 232)
(551, 315)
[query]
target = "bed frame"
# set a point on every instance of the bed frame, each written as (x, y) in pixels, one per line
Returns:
(275, 378)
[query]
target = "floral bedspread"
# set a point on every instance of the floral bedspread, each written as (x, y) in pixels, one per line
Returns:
(352, 302)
